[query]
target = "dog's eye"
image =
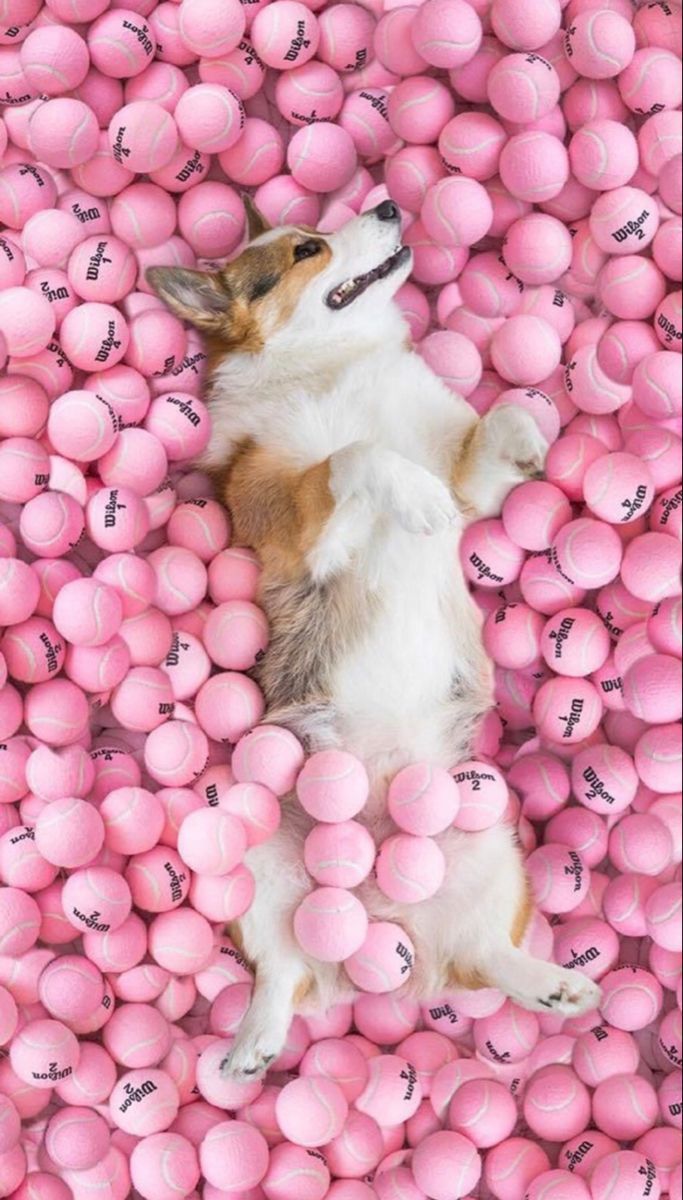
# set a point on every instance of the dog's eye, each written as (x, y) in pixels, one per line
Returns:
(306, 250)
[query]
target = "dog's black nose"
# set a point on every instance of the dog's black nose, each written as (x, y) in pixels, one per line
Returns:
(387, 211)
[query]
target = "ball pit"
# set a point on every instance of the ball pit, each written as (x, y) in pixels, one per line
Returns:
(534, 147)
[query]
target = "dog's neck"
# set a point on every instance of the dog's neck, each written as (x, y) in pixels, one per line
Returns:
(246, 391)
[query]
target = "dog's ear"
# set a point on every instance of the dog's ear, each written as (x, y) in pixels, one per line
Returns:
(256, 222)
(195, 296)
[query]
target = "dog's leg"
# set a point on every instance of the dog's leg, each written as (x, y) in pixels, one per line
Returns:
(263, 1032)
(504, 449)
(540, 986)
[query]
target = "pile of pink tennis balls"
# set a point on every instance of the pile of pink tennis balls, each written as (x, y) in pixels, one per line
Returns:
(534, 148)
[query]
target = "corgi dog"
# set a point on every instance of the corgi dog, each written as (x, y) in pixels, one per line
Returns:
(351, 469)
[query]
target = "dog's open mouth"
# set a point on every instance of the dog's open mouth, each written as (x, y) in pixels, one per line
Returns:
(351, 289)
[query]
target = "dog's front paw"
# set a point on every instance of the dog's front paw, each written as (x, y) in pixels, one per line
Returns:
(248, 1058)
(518, 439)
(420, 502)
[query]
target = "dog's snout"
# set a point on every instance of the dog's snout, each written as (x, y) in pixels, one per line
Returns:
(387, 211)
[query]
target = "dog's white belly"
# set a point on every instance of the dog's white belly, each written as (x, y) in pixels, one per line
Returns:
(391, 691)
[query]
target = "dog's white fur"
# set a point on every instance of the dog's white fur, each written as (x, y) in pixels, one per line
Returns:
(346, 384)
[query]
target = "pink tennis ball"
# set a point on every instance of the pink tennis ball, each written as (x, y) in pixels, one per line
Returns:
(286, 36)
(364, 117)
(56, 712)
(538, 248)
(619, 275)
(143, 699)
(556, 1103)
(534, 166)
(575, 642)
(69, 832)
(471, 143)
(454, 358)
(384, 961)
(525, 350)
(181, 941)
(623, 221)
(209, 30)
(662, 915)
(234, 1156)
(295, 1173)
(604, 1052)
(509, 1035)
(558, 1185)
(144, 1102)
(446, 1165)
(339, 854)
(210, 117)
(631, 998)
(457, 211)
(321, 157)
(180, 421)
(488, 555)
(121, 44)
(19, 921)
(94, 335)
(625, 1107)
(651, 567)
(393, 1092)
(587, 552)
(63, 132)
(257, 809)
(76, 1138)
(212, 841)
(603, 155)
(525, 26)
(43, 1053)
(133, 820)
(600, 44)
(332, 786)
(409, 868)
(157, 879)
(24, 192)
(176, 753)
(423, 799)
(523, 87)
(624, 903)
(309, 91)
(24, 408)
(625, 1173)
(483, 1111)
(512, 636)
(96, 898)
(604, 779)
(668, 322)
(567, 710)
(418, 109)
(330, 924)
(26, 321)
(82, 425)
(19, 591)
(269, 755)
(142, 136)
(228, 705)
(559, 878)
(650, 688)
(642, 843)
(54, 59)
(49, 239)
(25, 469)
(534, 513)
(311, 1110)
(163, 1165)
(116, 519)
(102, 268)
(346, 37)
(87, 613)
(483, 795)
(446, 35)
(180, 579)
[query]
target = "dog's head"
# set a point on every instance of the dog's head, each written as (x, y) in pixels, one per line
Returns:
(314, 283)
